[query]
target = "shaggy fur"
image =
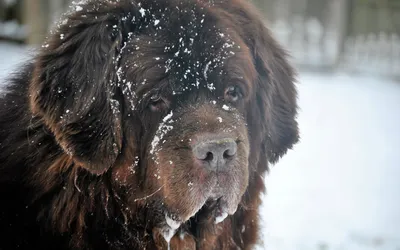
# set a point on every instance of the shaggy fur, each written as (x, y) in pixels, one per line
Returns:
(99, 133)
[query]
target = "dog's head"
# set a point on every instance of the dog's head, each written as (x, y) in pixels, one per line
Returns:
(179, 102)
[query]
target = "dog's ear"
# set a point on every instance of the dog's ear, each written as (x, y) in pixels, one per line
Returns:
(275, 97)
(74, 88)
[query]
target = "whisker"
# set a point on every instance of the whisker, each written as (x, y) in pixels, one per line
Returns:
(148, 196)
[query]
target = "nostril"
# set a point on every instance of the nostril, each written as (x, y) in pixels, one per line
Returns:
(228, 154)
(209, 157)
(203, 152)
(230, 151)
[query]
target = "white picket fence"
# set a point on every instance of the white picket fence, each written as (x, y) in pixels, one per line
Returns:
(307, 41)
(373, 53)
(322, 42)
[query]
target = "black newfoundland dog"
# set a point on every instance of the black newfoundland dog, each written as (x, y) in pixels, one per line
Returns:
(145, 125)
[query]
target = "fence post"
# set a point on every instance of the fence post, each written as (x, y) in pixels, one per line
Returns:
(344, 17)
(36, 20)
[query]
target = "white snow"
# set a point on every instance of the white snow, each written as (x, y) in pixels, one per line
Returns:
(339, 188)
(142, 11)
(170, 231)
(173, 224)
(162, 130)
(12, 55)
(13, 29)
(206, 69)
(221, 218)
(225, 107)
(167, 117)
(78, 8)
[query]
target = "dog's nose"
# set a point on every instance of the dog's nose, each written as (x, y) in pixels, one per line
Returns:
(215, 153)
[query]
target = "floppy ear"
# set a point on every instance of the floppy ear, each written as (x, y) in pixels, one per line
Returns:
(276, 94)
(75, 84)
(275, 98)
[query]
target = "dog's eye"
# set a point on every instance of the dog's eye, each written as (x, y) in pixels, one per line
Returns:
(233, 94)
(155, 98)
(157, 103)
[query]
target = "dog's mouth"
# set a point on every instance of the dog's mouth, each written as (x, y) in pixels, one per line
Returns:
(214, 210)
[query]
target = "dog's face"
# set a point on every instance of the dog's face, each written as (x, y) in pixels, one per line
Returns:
(194, 144)
(190, 102)
(179, 102)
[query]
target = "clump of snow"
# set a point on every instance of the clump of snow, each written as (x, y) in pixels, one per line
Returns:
(132, 168)
(220, 218)
(163, 129)
(174, 224)
(225, 107)
(77, 5)
(211, 86)
(142, 11)
(170, 230)
(206, 68)
(115, 106)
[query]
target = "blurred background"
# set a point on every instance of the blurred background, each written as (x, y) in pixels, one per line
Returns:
(339, 188)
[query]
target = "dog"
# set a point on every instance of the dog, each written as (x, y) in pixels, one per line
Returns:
(145, 125)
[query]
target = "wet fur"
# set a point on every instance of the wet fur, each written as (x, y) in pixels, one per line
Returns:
(77, 174)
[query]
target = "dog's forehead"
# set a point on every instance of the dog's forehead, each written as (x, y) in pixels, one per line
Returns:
(190, 49)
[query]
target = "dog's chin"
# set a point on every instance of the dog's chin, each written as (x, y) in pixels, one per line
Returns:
(216, 209)
(212, 208)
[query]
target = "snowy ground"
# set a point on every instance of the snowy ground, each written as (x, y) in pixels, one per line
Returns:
(11, 56)
(339, 189)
